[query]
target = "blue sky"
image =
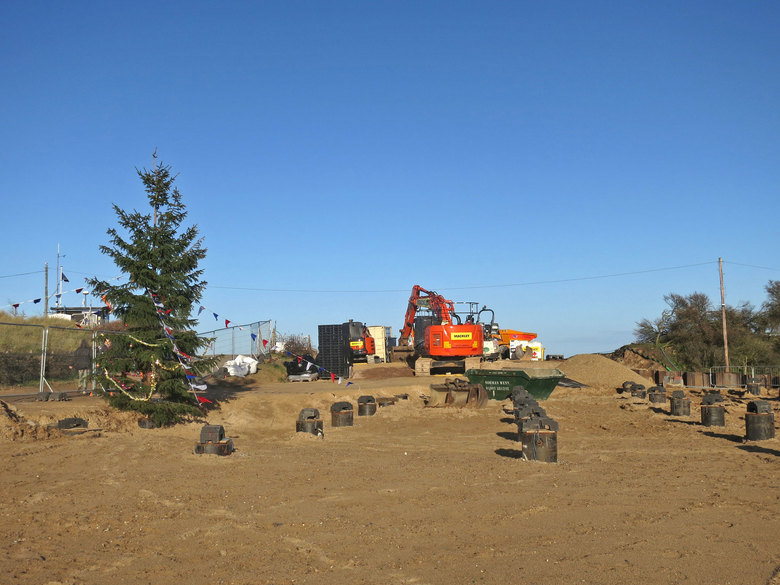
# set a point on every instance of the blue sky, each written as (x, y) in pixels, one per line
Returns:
(365, 147)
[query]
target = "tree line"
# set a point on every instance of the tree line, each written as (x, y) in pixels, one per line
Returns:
(690, 331)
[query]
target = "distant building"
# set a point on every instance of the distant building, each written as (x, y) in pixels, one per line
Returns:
(81, 315)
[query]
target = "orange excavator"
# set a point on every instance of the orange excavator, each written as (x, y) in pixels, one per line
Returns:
(433, 336)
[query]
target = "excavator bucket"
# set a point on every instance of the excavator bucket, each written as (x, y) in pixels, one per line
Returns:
(457, 393)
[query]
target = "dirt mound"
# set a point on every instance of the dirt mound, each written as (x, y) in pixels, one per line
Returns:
(14, 426)
(110, 419)
(597, 370)
(381, 371)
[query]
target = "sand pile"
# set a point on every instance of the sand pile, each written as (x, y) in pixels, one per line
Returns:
(597, 370)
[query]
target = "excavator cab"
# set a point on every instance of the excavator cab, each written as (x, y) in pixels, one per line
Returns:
(492, 349)
(361, 344)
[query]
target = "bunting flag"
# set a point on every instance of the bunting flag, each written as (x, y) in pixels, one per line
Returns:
(178, 352)
(202, 308)
(227, 322)
(64, 278)
(216, 317)
(265, 342)
(59, 295)
(320, 370)
(348, 385)
(254, 337)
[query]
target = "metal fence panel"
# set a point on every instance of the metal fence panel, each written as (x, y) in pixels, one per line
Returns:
(240, 340)
(34, 356)
(772, 373)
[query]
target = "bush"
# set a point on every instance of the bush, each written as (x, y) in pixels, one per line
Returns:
(297, 344)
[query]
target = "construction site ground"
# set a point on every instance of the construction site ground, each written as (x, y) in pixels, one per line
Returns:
(411, 495)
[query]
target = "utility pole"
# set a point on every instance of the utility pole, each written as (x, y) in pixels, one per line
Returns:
(46, 290)
(59, 278)
(723, 314)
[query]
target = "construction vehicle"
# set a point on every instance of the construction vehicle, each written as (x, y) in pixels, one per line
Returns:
(491, 346)
(504, 343)
(361, 344)
(433, 336)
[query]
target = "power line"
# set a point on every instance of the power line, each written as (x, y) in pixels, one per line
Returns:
(752, 266)
(22, 274)
(517, 284)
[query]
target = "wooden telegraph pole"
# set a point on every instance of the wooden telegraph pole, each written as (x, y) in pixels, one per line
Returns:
(723, 314)
(46, 290)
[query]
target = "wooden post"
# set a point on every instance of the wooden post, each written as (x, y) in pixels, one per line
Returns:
(46, 290)
(723, 314)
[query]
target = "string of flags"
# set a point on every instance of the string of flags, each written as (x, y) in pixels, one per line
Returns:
(56, 296)
(79, 290)
(320, 369)
(201, 308)
(182, 357)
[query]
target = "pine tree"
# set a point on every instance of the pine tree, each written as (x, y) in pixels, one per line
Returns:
(146, 364)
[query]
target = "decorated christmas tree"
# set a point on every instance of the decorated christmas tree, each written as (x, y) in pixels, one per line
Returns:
(150, 362)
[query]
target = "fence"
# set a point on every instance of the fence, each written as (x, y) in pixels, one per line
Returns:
(770, 373)
(240, 340)
(44, 353)
(31, 352)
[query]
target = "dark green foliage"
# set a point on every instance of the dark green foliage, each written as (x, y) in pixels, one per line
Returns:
(159, 259)
(161, 413)
(771, 308)
(691, 332)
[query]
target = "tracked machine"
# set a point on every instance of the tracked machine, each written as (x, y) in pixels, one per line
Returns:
(433, 337)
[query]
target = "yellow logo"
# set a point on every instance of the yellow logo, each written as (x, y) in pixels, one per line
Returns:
(356, 344)
(462, 336)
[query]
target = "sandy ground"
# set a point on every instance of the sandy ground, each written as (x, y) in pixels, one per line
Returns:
(410, 495)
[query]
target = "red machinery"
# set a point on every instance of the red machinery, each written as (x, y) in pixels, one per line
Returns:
(437, 339)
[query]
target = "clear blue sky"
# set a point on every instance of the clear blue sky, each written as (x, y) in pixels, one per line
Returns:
(364, 147)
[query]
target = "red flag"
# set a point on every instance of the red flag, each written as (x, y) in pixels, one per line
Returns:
(332, 377)
(265, 342)
(16, 305)
(78, 290)
(202, 400)
(299, 359)
(227, 322)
